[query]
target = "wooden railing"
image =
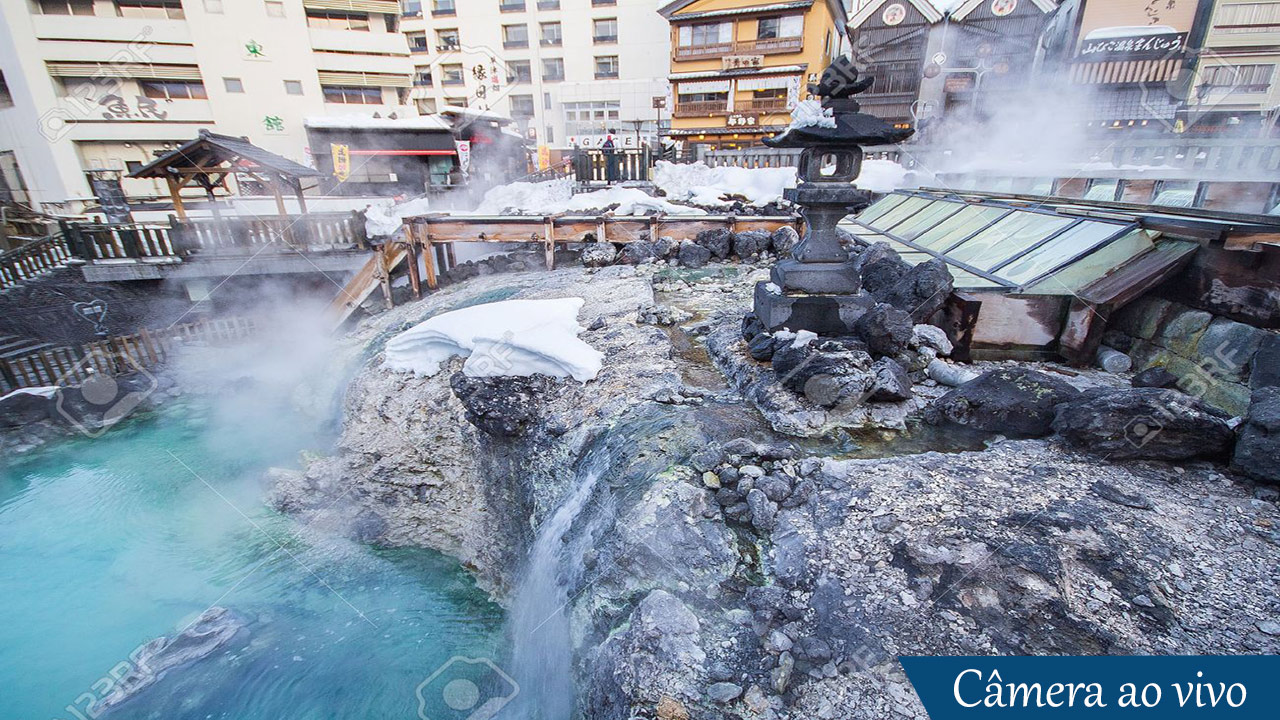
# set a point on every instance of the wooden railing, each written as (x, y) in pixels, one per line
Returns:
(35, 258)
(703, 52)
(231, 236)
(122, 355)
(764, 46)
(762, 105)
(696, 109)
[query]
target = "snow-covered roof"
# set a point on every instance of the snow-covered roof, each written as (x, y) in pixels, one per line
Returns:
(473, 113)
(360, 122)
(926, 8)
(960, 9)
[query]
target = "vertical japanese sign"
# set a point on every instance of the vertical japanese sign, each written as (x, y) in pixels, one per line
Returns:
(464, 154)
(341, 162)
(544, 157)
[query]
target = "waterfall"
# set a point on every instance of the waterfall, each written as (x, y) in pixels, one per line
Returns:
(542, 655)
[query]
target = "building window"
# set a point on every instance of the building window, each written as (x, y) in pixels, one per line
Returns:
(292, 87)
(553, 70)
(334, 20)
(213, 7)
(410, 8)
(592, 118)
(417, 42)
(706, 34)
(511, 5)
(158, 9)
(606, 30)
(456, 101)
(552, 34)
(515, 36)
(423, 78)
(603, 3)
(426, 106)
(6, 97)
(65, 7)
(444, 7)
(1239, 78)
(233, 85)
(522, 106)
(548, 4)
(519, 71)
(351, 95)
(1253, 17)
(448, 40)
(780, 27)
(546, 101)
(453, 74)
(173, 89)
(606, 67)
(275, 8)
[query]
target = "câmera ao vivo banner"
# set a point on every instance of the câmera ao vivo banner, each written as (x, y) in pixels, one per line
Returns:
(1240, 686)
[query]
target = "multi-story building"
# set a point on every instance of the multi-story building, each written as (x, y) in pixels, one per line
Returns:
(929, 64)
(105, 84)
(739, 67)
(568, 71)
(1237, 91)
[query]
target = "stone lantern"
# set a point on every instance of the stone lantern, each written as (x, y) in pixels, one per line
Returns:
(820, 290)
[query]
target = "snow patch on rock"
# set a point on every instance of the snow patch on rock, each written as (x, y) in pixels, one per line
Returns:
(501, 339)
(702, 184)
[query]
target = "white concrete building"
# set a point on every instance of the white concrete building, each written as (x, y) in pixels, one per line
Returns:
(569, 71)
(104, 84)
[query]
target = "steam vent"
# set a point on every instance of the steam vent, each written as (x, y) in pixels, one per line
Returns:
(820, 290)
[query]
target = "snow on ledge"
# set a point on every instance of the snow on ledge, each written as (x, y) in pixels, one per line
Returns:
(500, 339)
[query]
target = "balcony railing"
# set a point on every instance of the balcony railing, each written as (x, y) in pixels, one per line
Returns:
(762, 105)
(699, 109)
(770, 46)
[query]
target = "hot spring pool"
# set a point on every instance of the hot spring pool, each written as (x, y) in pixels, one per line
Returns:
(106, 544)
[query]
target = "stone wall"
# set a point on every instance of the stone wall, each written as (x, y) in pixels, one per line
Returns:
(1215, 358)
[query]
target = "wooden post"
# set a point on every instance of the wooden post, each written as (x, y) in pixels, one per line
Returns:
(428, 257)
(415, 281)
(174, 192)
(449, 257)
(302, 199)
(384, 255)
(549, 238)
(286, 228)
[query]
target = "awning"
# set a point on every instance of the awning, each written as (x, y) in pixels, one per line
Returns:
(767, 83)
(363, 79)
(386, 7)
(710, 86)
(123, 70)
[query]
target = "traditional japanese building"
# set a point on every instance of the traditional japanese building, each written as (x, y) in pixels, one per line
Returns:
(739, 67)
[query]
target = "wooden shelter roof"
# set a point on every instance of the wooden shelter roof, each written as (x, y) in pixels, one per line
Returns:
(209, 151)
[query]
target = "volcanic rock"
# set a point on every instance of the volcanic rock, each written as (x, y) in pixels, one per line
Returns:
(597, 254)
(1012, 401)
(502, 406)
(693, 255)
(1144, 423)
(783, 240)
(750, 244)
(885, 329)
(1257, 451)
(719, 242)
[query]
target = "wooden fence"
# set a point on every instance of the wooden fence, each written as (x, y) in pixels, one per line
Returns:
(33, 259)
(229, 236)
(119, 355)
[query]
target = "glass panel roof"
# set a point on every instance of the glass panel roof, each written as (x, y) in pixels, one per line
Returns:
(959, 226)
(1012, 235)
(1015, 246)
(911, 228)
(1072, 243)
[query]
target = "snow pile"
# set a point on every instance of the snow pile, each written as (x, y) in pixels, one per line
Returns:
(556, 197)
(501, 339)
(810, 113)
(47, 391)
(701, 184)
(881, 176)
(386, 219)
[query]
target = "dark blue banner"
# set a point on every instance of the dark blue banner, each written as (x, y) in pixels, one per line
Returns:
(1097, 687)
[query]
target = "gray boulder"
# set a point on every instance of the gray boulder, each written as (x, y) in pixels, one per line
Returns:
(751, 326)
(750, 244)
(1012, 401)
(1144, 423)
(719, 242)
(762, 347)
(885, 329)
(693, 255)
(881, 268)
(724, 692)
(783, 240)
(665, 246)
(637, 253)
(889, 382)
(599, 254)
(920, 291)
(1265, 369)
(1257, 453)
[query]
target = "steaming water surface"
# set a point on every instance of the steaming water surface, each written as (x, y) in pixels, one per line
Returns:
(106, 544)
